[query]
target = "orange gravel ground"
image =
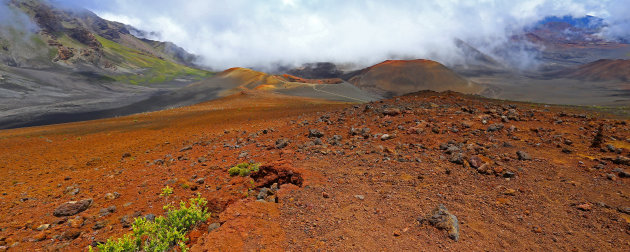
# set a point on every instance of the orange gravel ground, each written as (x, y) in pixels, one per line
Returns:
(359, 193)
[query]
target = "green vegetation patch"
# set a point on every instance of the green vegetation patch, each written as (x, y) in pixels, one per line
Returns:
(244, 169)
(155, 69)
(164, 232)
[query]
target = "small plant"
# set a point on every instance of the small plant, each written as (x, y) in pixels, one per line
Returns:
(166, 191)
(244, 169)
(164, 232)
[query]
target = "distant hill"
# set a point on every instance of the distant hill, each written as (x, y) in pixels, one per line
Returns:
(397, 77)
(600, 70)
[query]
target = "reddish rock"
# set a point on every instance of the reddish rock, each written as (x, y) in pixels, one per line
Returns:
(72, 207)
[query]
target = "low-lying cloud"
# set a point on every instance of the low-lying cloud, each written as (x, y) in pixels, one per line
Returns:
(229, 33)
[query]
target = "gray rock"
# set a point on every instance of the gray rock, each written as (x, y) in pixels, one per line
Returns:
(99, 225)
(495, 127)
(72, 207)
(441, 218)
(72, 190)
(314, 133)
(360, 197)
(125, 221)
(213, 226)
(264, 192)
(107, 211)
(508, 174)
(622, 160)
(452, 149)
(189, 147)
(385, 137)
(457, 158)
(150, 217)
(281, 143)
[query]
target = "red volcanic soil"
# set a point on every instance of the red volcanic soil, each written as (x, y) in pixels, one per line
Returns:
(601, 70)
(398, 77)
(344, 184)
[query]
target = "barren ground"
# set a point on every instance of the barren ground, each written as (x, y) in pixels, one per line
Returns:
(359, 192)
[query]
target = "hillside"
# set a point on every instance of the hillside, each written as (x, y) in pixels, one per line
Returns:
(77, 39)
(600, 70)
(397, 77)
(517, 176)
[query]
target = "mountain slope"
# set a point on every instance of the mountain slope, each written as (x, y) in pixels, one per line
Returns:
(50, 36)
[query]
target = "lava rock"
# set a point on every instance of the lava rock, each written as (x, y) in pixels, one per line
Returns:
(314, 133)
(622, 160)
(441, 218)
(457, 158)
(107, 211)
(475, 162)
(391, 111)
(281, 143)
(495, 127)
(72, 207)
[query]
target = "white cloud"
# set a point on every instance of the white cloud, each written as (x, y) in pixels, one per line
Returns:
(231, 33)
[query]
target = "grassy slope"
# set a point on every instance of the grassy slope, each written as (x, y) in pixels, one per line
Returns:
(155, 69)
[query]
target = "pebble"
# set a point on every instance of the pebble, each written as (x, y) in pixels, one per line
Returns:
(391, 111)
(358, 196)
(510, 192)
(71, 234)
(43, 227)
(385, 137)
(611, 176)
(213, 226)
(77, 222)
(314, 133)
(107, 211)
(112, 196)
(281, 143)
(523, 155)
(99, 224)
(584, 207)
(325, 195)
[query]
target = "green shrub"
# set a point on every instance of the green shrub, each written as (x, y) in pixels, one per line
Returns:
(166, 191)
(244, 169)
(164, 232)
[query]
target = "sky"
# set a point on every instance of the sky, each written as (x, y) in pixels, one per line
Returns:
(228, 33)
